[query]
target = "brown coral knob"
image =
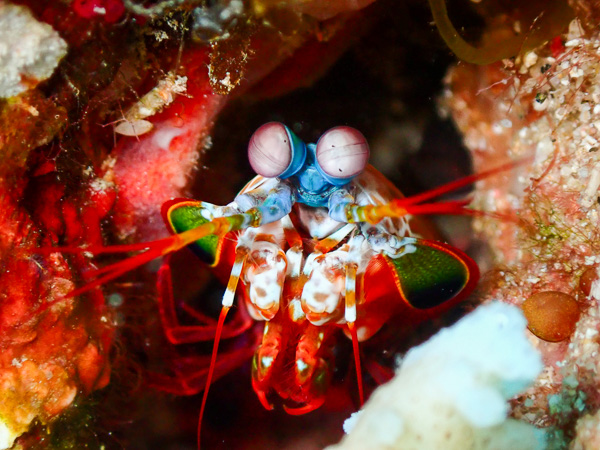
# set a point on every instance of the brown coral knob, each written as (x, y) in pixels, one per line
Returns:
(551, 315)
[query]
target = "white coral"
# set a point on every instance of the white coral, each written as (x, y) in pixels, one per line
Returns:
(7, 435)
(29, 49)
(451, 392)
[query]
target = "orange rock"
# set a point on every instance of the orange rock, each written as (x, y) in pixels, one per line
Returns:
(551, 315)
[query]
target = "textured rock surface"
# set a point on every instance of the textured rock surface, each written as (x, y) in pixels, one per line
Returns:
(545, 106)
(29, 50)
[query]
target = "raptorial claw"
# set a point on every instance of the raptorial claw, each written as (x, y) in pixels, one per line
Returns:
(323, 292)
(265, 275)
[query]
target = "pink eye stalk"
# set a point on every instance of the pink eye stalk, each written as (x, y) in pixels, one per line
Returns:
(342, 152)
(270, 150)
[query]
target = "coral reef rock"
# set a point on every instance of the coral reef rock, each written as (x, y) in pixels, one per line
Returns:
(29, 50)
(544, 105)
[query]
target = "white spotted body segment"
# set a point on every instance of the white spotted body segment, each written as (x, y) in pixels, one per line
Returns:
(264, 276)
(322, 294)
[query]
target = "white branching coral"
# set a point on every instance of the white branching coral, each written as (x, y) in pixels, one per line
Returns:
(29, 50)
(451, 392)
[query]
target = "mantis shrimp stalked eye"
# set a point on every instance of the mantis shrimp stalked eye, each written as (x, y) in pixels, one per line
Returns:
(342, 153)
(272, 152)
